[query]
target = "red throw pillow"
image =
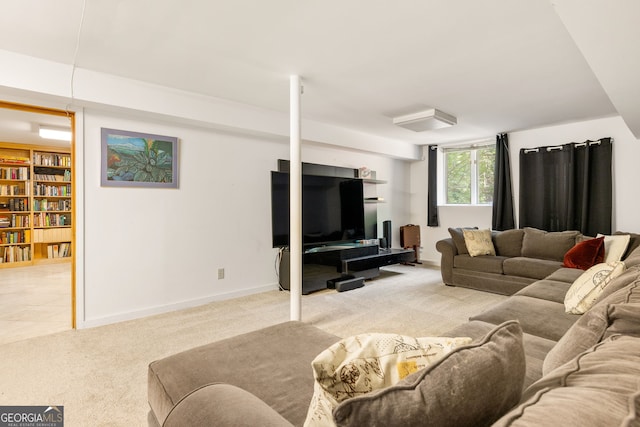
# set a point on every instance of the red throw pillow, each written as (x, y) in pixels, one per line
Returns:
(586, 254)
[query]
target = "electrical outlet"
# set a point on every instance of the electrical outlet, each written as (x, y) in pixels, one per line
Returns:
(221, 273)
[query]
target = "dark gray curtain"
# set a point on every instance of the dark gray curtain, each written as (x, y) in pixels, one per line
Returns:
(502, 218)
(568, 187)
(432, 187)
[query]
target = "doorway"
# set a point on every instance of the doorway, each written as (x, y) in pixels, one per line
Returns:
(38, 297)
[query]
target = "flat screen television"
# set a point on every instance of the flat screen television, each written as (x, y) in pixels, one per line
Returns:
(332, 209)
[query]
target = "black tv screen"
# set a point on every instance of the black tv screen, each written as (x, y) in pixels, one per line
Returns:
(332, 209)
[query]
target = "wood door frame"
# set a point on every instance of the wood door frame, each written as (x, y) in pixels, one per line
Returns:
(72, 118)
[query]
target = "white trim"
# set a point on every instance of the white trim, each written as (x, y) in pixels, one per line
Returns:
(131, 315)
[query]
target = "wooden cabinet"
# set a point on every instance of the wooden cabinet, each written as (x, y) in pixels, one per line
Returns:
(35, 205)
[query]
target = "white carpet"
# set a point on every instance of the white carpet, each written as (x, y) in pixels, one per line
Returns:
(100, 374)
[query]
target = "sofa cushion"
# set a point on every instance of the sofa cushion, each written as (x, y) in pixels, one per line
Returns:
(595, 325)
(584, 292)
(471, 386)
(534, 268)
(634, 242)
(550, 290)
(599, 387)
(487, 264)
(585, 254)
(547, 245)
(568, 275)
(363, 363)
(238, 360)
(539, 317)
(478, 242)
(632, 258)
(615, 246)
(509, 242)
(223, 405)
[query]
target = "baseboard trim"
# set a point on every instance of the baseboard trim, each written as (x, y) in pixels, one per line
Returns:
(132, 315)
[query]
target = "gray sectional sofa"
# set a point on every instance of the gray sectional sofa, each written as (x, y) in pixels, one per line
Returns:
(523, 256)
(530, 364)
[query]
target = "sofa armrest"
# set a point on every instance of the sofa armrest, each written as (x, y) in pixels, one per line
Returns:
(223, 405)
(448, 250)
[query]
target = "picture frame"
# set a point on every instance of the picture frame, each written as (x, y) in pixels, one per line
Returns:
(134, 159)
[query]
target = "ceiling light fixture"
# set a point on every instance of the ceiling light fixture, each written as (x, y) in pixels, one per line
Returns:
(53, 132)
(425, 120)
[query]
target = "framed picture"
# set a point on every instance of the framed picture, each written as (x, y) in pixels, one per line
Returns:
(133, 159)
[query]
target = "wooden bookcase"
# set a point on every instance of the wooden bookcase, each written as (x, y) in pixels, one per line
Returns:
(35, 205)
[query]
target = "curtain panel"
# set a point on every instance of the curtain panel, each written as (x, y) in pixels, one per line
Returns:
(432, 186)
(567, 187)
(502, 215)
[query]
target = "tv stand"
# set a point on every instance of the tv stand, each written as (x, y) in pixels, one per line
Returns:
(331, 263)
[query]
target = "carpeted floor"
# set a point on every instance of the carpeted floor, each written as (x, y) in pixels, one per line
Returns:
(100, 374)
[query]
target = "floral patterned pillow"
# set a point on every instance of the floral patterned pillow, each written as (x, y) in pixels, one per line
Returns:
(479, 242)
(363, 363)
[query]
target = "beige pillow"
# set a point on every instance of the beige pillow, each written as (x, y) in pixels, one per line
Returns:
(360, 364)
(615, 246)
(479, 242)
(587, 288)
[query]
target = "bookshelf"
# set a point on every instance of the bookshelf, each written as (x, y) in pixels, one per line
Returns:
(35, 205)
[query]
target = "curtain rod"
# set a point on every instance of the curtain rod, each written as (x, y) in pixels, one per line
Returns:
(560, 147)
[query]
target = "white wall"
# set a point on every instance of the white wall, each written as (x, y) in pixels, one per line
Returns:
(151, 250)
(626, 175)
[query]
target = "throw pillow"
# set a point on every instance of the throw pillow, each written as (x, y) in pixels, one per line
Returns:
(615, 246)
(458, 239)
(585, 254)
(473, 385)
(479, 242)
(363, 363)
(588, 287)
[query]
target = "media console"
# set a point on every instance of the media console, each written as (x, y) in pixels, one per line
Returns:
(342, 267)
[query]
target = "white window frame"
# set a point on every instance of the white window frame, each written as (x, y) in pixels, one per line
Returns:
(442, 175)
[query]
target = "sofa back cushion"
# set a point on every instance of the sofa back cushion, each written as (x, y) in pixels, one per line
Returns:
(611, 314)
(509, 242)
(547, 245)
(599, 387)
(634, 242)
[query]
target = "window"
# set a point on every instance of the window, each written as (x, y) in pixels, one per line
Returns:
(468, 175)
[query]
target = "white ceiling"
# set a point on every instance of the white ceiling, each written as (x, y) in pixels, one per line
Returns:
(497, 65)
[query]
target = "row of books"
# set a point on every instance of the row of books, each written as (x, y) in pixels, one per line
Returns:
(52, 190)
(14, 220)
(43, 205)
(15, 254)
(14, 173)
(14, 190)
(50, 219)
(61, 250)
(12, 237)
(41, 235)
(65, 177)
(50, 159)
(17, 204)
(18, 160)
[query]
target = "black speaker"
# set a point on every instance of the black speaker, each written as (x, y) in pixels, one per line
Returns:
(386, 231)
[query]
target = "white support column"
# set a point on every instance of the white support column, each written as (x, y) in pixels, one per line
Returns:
(295, 214)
